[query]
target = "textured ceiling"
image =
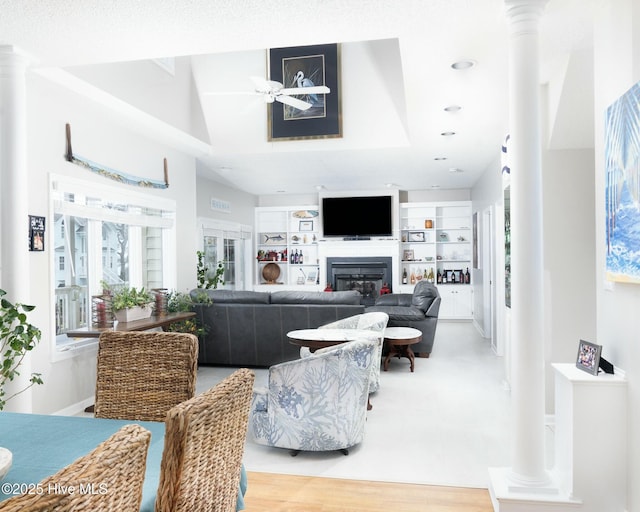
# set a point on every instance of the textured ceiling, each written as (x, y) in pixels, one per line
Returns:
(396, 78)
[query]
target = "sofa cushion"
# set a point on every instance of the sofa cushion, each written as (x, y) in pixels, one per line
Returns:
(307, 297)
(233, 296)
(423, 295)
(399, 313)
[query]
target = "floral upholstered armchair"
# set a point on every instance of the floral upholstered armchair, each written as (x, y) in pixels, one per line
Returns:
(316, 403)
(375, 322)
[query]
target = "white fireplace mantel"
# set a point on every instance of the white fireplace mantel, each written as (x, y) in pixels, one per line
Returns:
(359, 248)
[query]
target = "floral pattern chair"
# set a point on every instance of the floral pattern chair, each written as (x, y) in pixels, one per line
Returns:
(376, 322)
(316, 403)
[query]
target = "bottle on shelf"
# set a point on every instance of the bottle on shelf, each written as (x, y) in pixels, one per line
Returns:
(439, 277)
(461, 278)
(295, 257)
(300, 258)
(467, 277)
(291, 258)
(430, 276)
(413, 278)
(404, 276)
(453, 277)
(444, 277)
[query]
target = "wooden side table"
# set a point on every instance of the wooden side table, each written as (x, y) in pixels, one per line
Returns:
(399, 341)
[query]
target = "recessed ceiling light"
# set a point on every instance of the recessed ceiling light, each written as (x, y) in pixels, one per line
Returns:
(447, 134)
(455, 169)
(440, 158)
(453, 108)
(463, 64)
(435, 186)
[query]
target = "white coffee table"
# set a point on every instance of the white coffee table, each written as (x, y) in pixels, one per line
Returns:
(399, 341)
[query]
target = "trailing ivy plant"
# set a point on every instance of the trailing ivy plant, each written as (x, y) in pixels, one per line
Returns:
(209, 278)
(17, 337)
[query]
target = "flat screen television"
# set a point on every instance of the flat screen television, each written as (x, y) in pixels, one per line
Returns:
(357, 217)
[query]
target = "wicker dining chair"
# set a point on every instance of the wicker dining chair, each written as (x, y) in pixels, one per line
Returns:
(108, 478)
(141, 375)
(203, 448)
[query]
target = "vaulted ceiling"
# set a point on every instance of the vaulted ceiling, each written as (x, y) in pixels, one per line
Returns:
(396, 80)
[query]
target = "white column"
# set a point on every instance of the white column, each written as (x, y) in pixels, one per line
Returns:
(527, 377)
(14, 268)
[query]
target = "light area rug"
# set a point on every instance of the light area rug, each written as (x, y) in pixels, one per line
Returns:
(444, 424)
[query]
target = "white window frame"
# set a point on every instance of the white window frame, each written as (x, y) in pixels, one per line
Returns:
(66, 184)
(230, 230)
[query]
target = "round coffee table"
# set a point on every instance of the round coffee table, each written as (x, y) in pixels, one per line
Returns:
(399, 341)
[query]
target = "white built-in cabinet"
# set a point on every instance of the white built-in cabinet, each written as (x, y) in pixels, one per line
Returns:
(434, 238)
(436, 244)
(286, 241)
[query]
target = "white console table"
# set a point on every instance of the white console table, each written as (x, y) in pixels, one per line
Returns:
(591, 438)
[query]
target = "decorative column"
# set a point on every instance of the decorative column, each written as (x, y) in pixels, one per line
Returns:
(527, 323)
(14, 261)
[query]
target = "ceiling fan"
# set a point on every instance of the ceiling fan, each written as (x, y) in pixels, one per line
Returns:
(275, 91)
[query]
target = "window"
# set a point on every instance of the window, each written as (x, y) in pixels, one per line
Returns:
(105, 235)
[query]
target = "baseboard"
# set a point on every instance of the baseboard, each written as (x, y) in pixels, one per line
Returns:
(75, 409)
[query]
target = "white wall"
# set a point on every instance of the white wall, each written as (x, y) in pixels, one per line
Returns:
(113, 142)
(617, 68)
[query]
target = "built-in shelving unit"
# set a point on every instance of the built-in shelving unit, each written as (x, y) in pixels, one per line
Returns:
(287, 241)
(436, 244)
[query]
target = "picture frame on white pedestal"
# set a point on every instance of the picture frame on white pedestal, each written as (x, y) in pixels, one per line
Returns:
(589, 355)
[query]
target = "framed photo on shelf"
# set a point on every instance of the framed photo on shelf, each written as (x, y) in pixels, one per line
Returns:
(408, 255)
(303, 66)
(305, 225)
(588, 358)
(416, 236)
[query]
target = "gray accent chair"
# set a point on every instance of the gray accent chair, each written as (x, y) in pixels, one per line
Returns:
(418, 310)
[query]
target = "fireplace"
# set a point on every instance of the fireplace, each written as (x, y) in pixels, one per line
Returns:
(364, 274)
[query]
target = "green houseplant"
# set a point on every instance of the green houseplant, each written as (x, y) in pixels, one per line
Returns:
(129, 303)
(178, 302)
(209, 278)
(17, 337)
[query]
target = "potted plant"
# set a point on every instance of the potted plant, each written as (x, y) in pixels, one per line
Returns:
(129, 303)
(180, 302)
(209, 278)
(17, 337)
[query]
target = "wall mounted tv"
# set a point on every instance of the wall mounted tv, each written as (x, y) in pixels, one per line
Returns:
(357, 217)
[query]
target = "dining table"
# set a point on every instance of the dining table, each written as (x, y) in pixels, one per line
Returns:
(43, 444)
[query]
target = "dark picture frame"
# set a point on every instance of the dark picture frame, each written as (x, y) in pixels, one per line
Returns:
(36, 233)
(321, 64)
(588, 358)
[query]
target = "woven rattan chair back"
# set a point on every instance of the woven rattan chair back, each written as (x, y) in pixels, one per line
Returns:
(141, 375)
(203, 448)
(108, 478)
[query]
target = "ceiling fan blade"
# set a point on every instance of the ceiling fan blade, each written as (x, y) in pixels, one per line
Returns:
(317, 89)
(293, 102)
(266, 86)
(231, 93)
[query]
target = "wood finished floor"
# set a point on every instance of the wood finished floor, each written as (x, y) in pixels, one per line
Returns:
(269, 492)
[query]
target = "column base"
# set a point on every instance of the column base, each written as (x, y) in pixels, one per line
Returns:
(510, 495)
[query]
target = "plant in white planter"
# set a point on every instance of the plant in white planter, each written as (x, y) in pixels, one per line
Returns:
(17, 337)
(128, 303)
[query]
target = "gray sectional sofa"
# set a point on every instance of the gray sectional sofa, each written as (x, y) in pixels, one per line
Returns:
(246, 328)
(418, 310)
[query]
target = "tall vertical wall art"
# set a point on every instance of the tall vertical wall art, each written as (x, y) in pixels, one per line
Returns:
(622, 174)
